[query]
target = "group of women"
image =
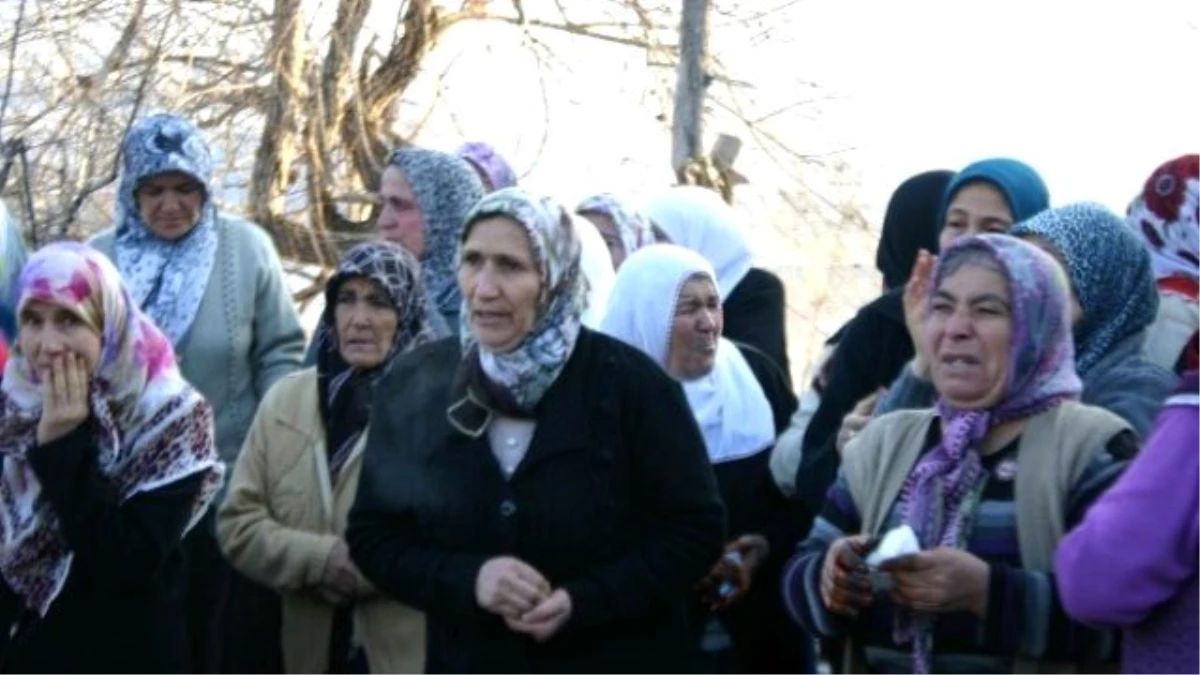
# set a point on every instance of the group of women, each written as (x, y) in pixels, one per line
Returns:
(534, 439)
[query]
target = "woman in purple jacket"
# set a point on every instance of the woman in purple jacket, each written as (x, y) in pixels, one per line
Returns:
(1132, 562)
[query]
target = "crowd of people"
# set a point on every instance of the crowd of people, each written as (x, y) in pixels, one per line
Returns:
(527, 437)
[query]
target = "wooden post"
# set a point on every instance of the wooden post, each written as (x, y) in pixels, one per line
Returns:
(687, 125)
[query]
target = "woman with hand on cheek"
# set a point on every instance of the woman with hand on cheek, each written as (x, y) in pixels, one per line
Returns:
(540, 491)
(108, 459)
(989, 481)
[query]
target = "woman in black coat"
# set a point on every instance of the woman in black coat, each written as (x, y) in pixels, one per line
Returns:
(108, 459)
(665, 302)
(543, 495)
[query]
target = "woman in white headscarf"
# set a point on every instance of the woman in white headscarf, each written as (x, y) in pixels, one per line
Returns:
(754, 303)
(666, 303)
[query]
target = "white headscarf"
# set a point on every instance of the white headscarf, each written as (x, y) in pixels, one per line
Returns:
(596, 264)
(728, 403)
(698, 219)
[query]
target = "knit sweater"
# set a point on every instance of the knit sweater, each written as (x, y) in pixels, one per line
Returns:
(1132, 562)
(246, 334)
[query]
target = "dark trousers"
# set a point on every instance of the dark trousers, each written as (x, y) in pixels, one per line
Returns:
(233, 623)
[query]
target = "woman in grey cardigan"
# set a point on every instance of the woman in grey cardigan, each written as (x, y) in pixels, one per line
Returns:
(215, 286)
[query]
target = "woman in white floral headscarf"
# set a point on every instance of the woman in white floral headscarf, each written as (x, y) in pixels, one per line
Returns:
(540, 490)
(108, 458)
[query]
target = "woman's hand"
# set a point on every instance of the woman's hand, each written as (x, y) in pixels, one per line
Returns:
(845, 579)
(64, 398)
(737, 567)
(545, 620)
(916, 294)
(341, 581)
(856, 420)
(510, 588)
(940, 581)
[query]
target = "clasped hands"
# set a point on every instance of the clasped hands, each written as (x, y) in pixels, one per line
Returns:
(522, 596)
(941, 580)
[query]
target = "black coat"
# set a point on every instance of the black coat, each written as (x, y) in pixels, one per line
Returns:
(615, 502)
(756, 314)
(874, 347)
(122, 609)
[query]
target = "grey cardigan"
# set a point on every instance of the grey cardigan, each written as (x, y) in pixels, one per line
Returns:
(246, 334)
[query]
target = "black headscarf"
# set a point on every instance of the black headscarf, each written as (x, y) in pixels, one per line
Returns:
(912, 223)
(345, 391)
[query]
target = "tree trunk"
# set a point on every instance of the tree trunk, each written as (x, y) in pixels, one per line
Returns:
(277, 150)
(687, 125)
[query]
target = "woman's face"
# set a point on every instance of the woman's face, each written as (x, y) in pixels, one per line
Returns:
(608, 232)
(170, 204)
(969, 332)
(977, 208)
(695, 330)
(400, 220)
(49, 332)
(366, 322)
(501, 283)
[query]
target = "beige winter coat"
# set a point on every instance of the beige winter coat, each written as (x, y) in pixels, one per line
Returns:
(281, 518)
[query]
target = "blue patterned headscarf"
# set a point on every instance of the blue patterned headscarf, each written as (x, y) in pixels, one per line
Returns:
(527, 371)
(167, 279)
(944, 487)
(446, 188)
(1110, 273)
(632, 225)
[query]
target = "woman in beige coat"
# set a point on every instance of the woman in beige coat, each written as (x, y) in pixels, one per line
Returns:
(284, 516)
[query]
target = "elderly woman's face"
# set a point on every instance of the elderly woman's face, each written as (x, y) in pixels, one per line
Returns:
(977, 208)
(50, 332)
(501, 283)
(170, 203)
(695, 330)
(400, 220)
(366, 322)
(969, 332)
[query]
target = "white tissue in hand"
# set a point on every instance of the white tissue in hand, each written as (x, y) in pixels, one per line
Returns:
(897, 542)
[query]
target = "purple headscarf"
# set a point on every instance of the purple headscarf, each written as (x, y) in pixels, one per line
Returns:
(495, 172)
(944, 487)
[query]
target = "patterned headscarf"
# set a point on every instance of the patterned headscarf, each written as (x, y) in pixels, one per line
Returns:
(167, 279)
(728, 403)
(1110, 274)
(943, 489)
(345, 391)
(496, 173)
(151, 428)
(526, 372)
(1166, 214)
(697, 218)
(633, 227)
(446, 188)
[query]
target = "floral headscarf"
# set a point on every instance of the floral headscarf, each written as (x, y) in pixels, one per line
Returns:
(445, 188)
(345, 396)
(943, 489)
(496, 172)
(150, 426)
(1110, 273)
(526, 373)
(633, 227)
(167, 279)
(1165, 216)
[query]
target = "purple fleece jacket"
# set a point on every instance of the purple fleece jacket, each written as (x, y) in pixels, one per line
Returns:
(1132, 562)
